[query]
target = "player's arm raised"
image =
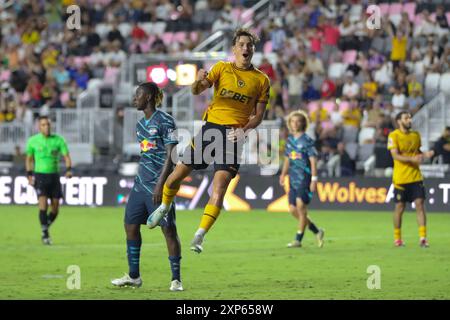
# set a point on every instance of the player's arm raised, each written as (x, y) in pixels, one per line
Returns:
(201, 84)
(166, 170)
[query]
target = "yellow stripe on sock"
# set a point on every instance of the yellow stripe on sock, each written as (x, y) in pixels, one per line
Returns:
(210, 216)
(397, 234)
(423, 231)
(168, 195)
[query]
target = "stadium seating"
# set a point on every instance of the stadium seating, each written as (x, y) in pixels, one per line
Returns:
(395, 8)
(384, 9)
(445, 83)
(336, 70)
(410, 9)
(432, 85)
(352, 150)
(349, 56)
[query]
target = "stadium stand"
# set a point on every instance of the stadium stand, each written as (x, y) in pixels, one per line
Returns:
(322, 50)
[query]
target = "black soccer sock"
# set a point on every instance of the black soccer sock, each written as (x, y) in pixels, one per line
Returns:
(175, 267)
(44, 222)
(51, 218)
(299, 236)
(313, 228)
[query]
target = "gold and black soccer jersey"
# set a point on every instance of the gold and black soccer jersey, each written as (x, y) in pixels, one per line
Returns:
(407, 144)
(236, 93)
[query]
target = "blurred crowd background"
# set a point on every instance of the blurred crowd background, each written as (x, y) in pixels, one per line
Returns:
(350, 79)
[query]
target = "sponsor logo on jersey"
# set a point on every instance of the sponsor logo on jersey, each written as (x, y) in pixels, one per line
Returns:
(147, 145)
(235, 96)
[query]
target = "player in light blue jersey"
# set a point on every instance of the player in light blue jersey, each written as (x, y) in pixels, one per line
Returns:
(300, 165)
(156, 138)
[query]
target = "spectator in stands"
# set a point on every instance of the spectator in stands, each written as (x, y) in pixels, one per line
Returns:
(328, 88)
(398, 100)
(347, 40)
(163, 10)
(431, 61)
(314, 15)
(34, 90)
(330, 10)
(314, 65)
(414, 85)
(441, 19)
(376, 59)
(426, 27)
(415, 101)
(115, 34)
(336, 117)
(277, 35)
(371, 115)
(137, 33)
(116, 55)
(352, 116)
(347, 165)
(351, 88)
(295, 80)
(186, 12)
(158, 46)
(82, 76)
(330, 159)
(399, 45)
(309, 92)
(370, 87)
(442, 147)
(384, 75)
(319, 115)
(268, 69)
(222, 24)
(93, 39)
(331, 39)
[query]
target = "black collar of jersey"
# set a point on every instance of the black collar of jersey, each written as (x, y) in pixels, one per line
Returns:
(240, 69)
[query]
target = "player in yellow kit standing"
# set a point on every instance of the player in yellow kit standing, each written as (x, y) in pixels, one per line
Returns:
(241, 93)
(404, 145)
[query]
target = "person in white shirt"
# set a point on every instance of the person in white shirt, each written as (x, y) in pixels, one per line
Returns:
(350, 88)
(426, 27)
(398, 100)
(295, 86)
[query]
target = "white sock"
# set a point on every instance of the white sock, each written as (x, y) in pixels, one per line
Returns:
(200, 232)
(163, 206)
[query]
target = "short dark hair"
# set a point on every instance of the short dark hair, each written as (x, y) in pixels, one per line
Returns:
(246, 33)
(400, 114)
(152, 89)
(43, 118)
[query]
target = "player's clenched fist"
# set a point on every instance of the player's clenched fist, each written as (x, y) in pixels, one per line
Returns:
(202, 74)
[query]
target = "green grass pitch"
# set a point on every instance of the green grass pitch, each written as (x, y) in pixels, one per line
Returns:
(245, 257)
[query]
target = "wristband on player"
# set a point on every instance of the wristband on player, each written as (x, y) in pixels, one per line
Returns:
(68, 169)
(29, 173)
(314, 178)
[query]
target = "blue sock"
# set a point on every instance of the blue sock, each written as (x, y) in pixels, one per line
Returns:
(133, 254)
(299, 237)
(175, 267)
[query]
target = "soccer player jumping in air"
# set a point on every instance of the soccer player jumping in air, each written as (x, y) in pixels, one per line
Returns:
(240, 91)
(404, 145)
(300, 164)
(156, 137)
(44, 151)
